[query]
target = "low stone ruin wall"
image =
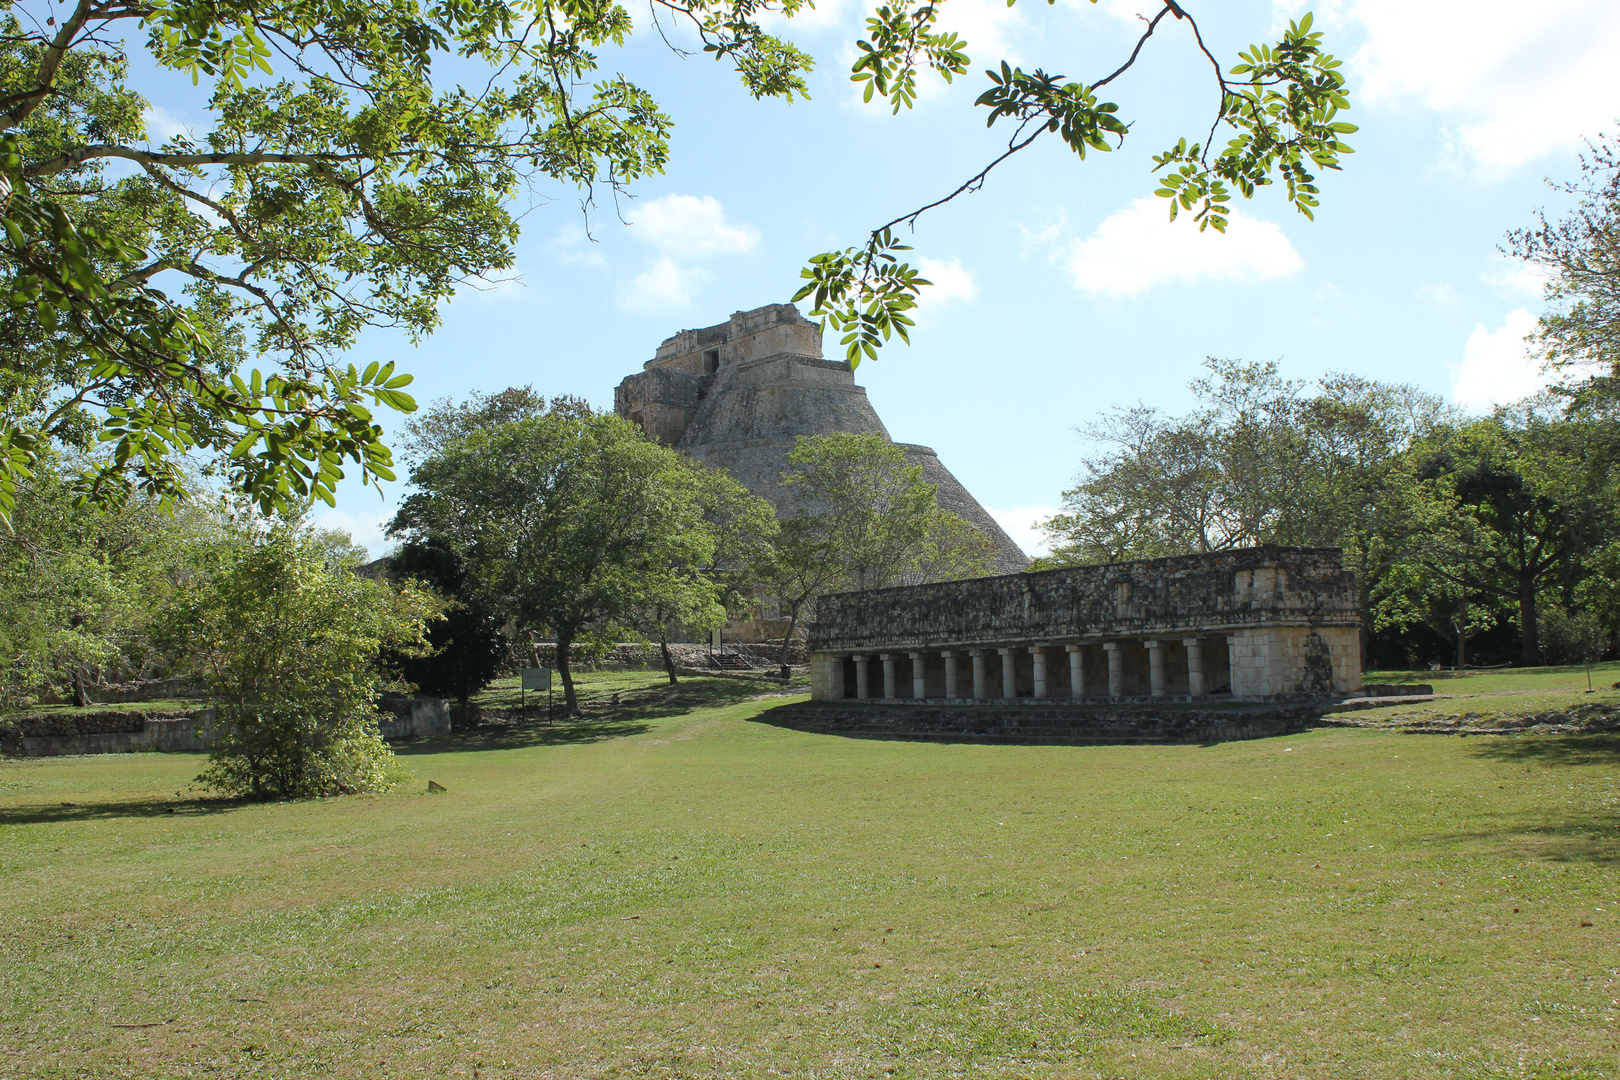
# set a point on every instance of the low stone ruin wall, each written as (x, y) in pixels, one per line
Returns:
(127, 732)
(1395, 689)
(111, 732)
(414, 717)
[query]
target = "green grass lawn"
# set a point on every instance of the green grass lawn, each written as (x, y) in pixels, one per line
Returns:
(1499, 694)
(675, 890)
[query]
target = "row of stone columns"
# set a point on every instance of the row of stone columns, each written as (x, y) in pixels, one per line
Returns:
(1042, 684)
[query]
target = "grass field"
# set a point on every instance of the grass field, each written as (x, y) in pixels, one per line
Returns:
(1501, 694)
(680, 889)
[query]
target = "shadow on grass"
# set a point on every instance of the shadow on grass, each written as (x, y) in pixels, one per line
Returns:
(602, 721)
(523, 733)
(1550, 750)
(1593, 839)
(103, 811)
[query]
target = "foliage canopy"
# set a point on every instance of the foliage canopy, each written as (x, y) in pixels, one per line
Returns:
(363, 161)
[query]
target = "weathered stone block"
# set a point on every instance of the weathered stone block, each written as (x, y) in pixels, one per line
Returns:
(1269, 623)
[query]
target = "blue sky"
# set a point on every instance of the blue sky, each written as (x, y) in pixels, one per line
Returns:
(1062, 289)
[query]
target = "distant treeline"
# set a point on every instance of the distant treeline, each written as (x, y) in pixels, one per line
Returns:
(1473, 540)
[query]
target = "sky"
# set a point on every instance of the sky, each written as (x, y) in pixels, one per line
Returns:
(1061, 288)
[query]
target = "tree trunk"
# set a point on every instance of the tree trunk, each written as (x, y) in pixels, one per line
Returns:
(1529, 639)
(787, 638)
(669, 661)
(80, 698)
(570, 699)
(1462, 634)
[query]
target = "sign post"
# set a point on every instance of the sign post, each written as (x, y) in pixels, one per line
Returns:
(536, 678)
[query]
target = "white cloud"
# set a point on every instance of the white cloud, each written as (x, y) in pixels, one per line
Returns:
(1020, 523)
(1045, 237)
(685, 229)
(691, 226)
(835, 16)
(1497, 366)
(1138, 248)
(571, 245)
(162, 125)
(1439, 295)
(988, 27)
(665, 285)
(953, 283)
(1515, 279)
(1514, 81)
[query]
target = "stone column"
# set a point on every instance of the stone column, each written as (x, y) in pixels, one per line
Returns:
(1038, 657)
(950, 673)
(1195, 666)
(1009, 673)
(863, 680)
(919, 678)
(1237, 666)
(1155, 667)
(835, 677)
(1077, 671)
(1116, 671)
(980, 682)
(888, 673)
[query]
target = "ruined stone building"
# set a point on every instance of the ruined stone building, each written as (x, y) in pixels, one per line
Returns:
(736, 395)
(1261, 624)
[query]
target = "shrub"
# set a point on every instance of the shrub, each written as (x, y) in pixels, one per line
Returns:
(298, 750)
(1570, 637)
(289, 639)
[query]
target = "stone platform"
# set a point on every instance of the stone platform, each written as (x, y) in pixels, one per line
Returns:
(1029, 723)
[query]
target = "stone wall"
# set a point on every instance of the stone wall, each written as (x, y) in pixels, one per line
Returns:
(1034, 724)
(1222, 591)
(413, 717)
(58, 734)
(1261, 623)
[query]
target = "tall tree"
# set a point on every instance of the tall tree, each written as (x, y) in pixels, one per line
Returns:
(1439, 580)
(864, 519)
(203, 296)
(697, 596)
(569, 521)
(1226, 475)
(79, 590)
(1359, 492)
(1542, 487)
(1579, 333)
(466, 646)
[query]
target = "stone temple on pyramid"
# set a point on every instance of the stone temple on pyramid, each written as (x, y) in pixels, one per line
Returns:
(736, 395)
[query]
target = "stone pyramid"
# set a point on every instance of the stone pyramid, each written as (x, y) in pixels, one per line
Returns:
(736, 395)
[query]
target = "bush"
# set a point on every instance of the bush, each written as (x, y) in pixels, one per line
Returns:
(289, 638)
(1570, 638)
(298, 750)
